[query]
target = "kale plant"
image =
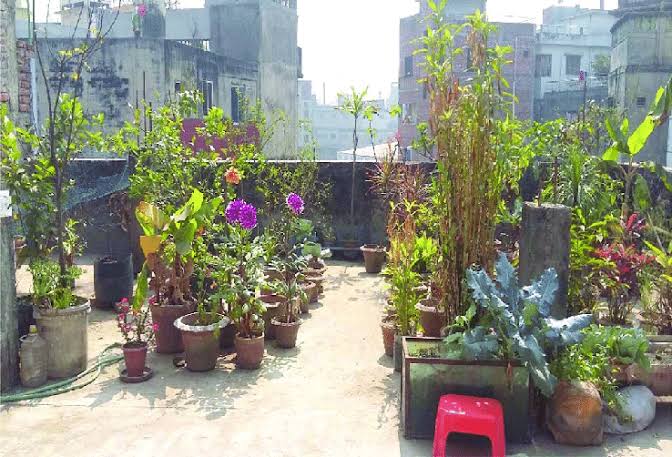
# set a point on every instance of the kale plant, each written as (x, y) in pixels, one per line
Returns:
(516, 322)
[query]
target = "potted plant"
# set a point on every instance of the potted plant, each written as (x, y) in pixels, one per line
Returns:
(290, 264)
(137, 330)
(496, 357)
(374, 257)
(200, 336)
(315, 265)
(172, 265)
(239, 278)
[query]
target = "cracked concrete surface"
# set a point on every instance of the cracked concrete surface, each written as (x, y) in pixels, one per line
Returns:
(335, 394)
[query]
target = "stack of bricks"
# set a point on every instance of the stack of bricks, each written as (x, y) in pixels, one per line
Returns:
(5, 12)
(23, 54)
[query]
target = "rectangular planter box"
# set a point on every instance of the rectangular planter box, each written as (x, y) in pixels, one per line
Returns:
(424, 379)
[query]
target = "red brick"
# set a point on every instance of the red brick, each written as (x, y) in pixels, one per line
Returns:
(24, 107)
(24, 84)
(24, 92)
(4, 97)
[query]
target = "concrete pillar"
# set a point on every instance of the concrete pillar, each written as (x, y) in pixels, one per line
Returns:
(9, 333)
(544, 243)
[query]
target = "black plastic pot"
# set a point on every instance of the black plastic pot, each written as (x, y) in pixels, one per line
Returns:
(112, 280)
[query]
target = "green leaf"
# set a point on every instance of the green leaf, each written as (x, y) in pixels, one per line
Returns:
(611, 154)
(151, 218)
(184, 237)
(641, 135)
(641, 194)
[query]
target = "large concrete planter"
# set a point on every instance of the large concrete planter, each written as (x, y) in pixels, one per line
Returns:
(65, 331)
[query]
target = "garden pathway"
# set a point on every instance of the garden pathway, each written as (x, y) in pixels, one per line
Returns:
(334, 395)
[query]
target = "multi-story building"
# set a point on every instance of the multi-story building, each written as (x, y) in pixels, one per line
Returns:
(641, 62)
(573, 50)
(332, 129)
(231, 50)
(413, 95)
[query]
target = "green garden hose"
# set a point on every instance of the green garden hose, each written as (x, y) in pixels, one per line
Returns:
(66, 385)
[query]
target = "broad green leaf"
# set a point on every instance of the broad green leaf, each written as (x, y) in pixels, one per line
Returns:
(641, 135)
(151, 218)
(641, 194)
(185, 237)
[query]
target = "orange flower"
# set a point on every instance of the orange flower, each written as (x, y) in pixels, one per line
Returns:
(232, 176)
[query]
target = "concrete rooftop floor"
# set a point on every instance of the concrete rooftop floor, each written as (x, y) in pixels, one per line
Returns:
(335, 394)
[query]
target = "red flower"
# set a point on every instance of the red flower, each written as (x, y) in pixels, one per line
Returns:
(232, 176)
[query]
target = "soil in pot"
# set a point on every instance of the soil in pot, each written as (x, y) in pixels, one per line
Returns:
(112, 280)
(389, 329)
(168, 338)
(286, 332)
(249, 352)
(431, 319)
(135, 356)
(201, 342)
(66, 334)
(275, 306)
(374, 258)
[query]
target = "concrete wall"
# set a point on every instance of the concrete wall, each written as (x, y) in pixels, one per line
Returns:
(641, 62)
(567, 104)
(124, 72)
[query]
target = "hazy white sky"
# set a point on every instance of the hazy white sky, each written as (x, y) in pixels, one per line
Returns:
(356, 42)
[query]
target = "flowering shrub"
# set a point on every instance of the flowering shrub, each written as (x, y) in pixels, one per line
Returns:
(241, 213)
(135, 324)
(295, 203)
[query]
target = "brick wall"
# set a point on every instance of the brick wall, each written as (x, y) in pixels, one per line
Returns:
(8, 69)
(24, 52)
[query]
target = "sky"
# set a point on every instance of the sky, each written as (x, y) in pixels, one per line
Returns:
(356, 42)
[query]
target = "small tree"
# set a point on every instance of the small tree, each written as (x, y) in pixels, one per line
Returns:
(354, 104)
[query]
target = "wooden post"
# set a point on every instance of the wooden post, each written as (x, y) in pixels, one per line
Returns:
(9, 333)
(544, 243)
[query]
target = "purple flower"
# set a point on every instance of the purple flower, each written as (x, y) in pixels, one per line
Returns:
(295, 203)
(248, 217)
(233, 210)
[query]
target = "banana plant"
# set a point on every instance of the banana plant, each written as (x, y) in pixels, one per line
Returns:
(627, 145)
(516, 322)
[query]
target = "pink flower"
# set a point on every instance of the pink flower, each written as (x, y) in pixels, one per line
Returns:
(155, 326)
(124, 300)
(127, 328)
(152, 300)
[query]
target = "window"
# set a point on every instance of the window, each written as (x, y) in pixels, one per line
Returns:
(641, 101)
(206, 89)
(408, 115)
(543, 66)
(235, 104)
(572, 65)
(178, 87)
(526, 53)
(408, 66)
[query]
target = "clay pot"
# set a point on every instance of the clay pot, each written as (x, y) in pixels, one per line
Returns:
(311, 290)
(168, 338)
(389, 330)
(275, 306)
(249, 352)
(135, 356)
(286, 333)
(319, 282)
(201, 344)
(313, 272)
(574, 414)
(431, 319)
(374, 258)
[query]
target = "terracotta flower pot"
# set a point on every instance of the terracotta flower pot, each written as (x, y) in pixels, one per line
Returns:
(319, 282)
(168, 338)
(150, 244)
(286, 333)
(374, 258)
(311, 290)
(275, 305)
(431, 319)
(201, 344)
(135, 356)
(249, 352)
(389, 330)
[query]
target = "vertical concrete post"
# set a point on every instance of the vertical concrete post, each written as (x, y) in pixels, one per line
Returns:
(544, 243)
(9, 333)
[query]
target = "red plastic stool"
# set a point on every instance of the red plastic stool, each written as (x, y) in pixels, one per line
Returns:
(472, 415)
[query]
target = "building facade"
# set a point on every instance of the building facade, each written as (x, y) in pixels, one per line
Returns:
(641, 62)
(231, 50)
(573, 49)
(413, 96)
(329, 130)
